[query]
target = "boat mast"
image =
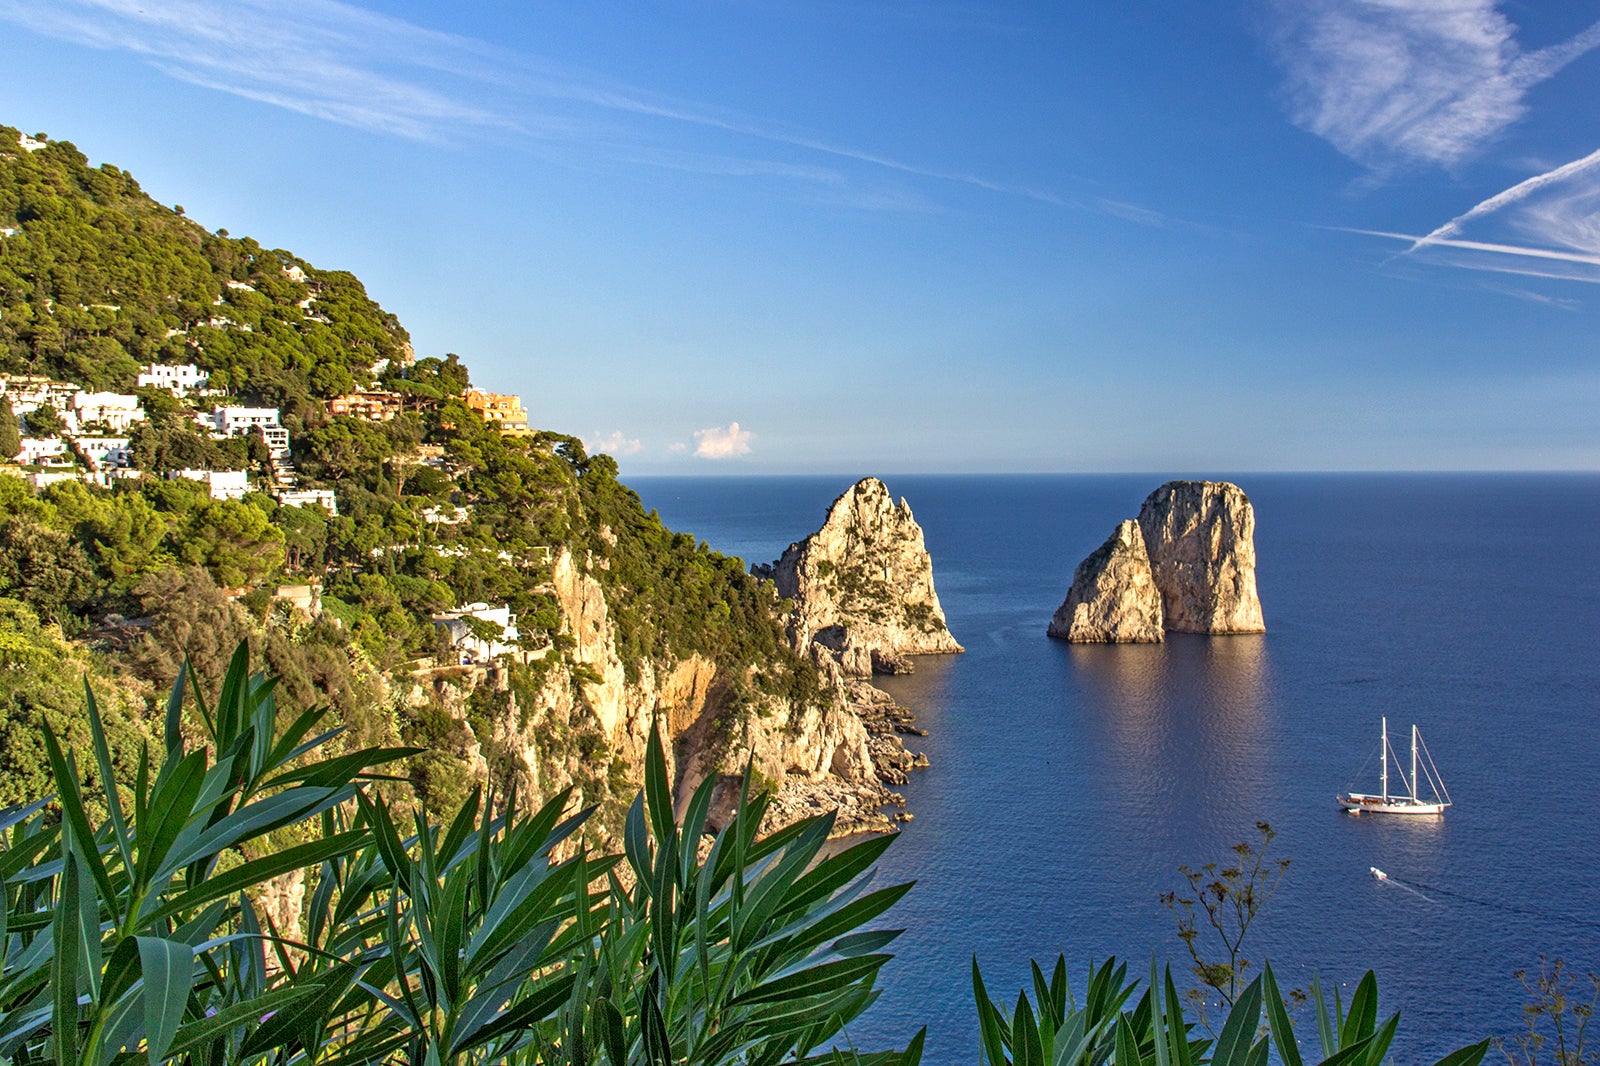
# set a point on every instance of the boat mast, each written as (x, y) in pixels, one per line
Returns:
(1413, 762)
(1385, 757)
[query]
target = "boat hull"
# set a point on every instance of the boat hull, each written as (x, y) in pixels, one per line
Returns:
(1359, 803)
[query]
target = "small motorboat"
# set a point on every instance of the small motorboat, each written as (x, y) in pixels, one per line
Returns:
(1379, 874)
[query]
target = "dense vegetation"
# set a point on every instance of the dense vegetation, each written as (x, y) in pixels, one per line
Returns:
(436, 509)
(98, 278)
(145, 924)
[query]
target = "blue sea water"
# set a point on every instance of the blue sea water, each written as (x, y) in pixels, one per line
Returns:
(1069, 782)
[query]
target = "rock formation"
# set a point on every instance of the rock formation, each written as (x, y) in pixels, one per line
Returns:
(1113, 599)
(587, 723)
(1187, 564)
(862, 585)
(1201, 540)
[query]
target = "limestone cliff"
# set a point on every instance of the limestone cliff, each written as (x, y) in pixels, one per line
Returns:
(1187, 564)
(1113, 599)
(1201, 540)
(584, 723)
(862, 585)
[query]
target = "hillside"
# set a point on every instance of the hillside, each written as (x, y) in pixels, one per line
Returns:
(391, 540)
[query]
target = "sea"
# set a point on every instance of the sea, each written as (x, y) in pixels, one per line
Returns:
(1069, 783)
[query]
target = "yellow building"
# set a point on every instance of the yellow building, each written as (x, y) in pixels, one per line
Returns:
(370, 406)
(502, 411)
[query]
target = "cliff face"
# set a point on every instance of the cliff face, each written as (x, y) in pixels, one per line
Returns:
(587, 723)
(862, 585)
(1201, 540)
(1187, 564)
(1113, 599)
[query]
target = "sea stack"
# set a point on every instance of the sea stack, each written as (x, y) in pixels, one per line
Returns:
(1113, 599)
(1201, 539)
(1187, 565)
(862, 585)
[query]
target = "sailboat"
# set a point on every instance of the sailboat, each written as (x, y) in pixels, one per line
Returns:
(1406, 801)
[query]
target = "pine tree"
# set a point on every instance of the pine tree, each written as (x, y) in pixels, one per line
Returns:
(10, 432)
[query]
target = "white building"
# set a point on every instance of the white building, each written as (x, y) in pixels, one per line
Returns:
(27, 391)
(180, 379)
(104, 453)
(242, 421)
(239, 421)
(223, 484)
(324, 498)
(116, 410)
(445, 516)
(38, 451)
(471, 649)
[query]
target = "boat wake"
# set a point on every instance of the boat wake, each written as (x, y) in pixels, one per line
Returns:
(1391, 879)
(1422, 888)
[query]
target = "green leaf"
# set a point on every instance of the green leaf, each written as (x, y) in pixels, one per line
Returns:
(300, 1021)
(341, 770)
(539, 1005)
(74, 812)
(657, 790)
(1466, 1056)
(108, 779)
(202, 1031)
(991, 1036)
(1159, 1018)
(1127, 1044)
(259, 871)
(1239, 1030)
(168, 979)
(1362, 1020)
(1026, 1048)
(814, 980)
(1319, 1002)
(1177, 1029)
(1381, 1042)
(174, 718)
(67, 953)
(1278, 1017)
(256, 819)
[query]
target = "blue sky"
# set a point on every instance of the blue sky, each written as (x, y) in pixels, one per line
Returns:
(741, 237)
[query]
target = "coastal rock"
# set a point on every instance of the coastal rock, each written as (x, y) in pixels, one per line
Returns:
(862, 585)
(586, 722)
(1113, 599)
(1200, 536)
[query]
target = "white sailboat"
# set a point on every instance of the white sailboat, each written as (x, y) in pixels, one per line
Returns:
(1406, 801)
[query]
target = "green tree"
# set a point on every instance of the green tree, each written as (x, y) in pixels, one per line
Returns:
(10, 431)
(44, 421)
(41, 684)
(46, 569)
(234, 541)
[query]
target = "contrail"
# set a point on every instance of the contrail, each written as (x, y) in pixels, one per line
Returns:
(1519, 191)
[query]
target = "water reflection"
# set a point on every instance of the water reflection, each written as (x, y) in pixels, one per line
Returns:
(1181, 732)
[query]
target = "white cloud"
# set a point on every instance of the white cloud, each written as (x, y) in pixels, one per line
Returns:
(614, 444)
(340, 63)
(322, 58)
(719, 443)
(1393, 83)
(677, 447)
